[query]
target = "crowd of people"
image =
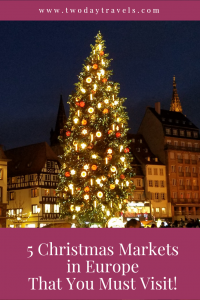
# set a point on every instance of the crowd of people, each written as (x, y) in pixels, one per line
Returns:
(187, 223)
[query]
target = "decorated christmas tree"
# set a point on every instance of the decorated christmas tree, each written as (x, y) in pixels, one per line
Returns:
(95, 177)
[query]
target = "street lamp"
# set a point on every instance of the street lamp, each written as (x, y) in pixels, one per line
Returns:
(38, 211)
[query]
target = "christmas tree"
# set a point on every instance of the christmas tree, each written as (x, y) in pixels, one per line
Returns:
(95, 177)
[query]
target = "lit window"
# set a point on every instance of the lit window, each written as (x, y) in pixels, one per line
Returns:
(163, 210)
(47, 208)
(31, 177)
(1, 174)
(47, 192)
(188, 133)
(19, 211)
(157, 209)
(189, 145)
(176, 143)
(34, 193)
(174, 182)
(169, 142)
(182, 144)
(172, 155)
(168, 131)
(174, 195)
(30, 226)
(47, 177)
(195, 134)
(34, 209)
(182, 132)
(156, 196)
(175, 131)
(56, 208)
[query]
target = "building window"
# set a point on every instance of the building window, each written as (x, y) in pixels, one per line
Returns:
(149, 171)
(172, 155)
(196, 146)
(174, 195)
(151, 183)
(148, 158)
(54, 178)
(155, 171)
(156, 183)
(146, 150)
(157, 209)
(12, 196)
(30, 226)
(181, 182)
(34, 209)
(175, 132)
(161, 172)
(187, 170)
(1, 194)
(168, 131)
(196, 195)
(56, 208)
(180, 169)
(162, 183)
(169, 142)
(133, 140)
(175, 143)
(0, 211)
(182, 132)
(47, 208)
(195, 134)
(1, 174)
(181, 195)
(182, 144)
(173, 168)
(156, 196)
(152, 210)
(31, 177)
(174, 181)
(47, 192)
(156, 159)
(194, 169)
(19, 211)
(163, 210)
(188, 195)
(138, 182)
(140, 141)
(34, 193)
(179, 156)
(188, 133)
(189, 145)
(47, 177)
(170, 120)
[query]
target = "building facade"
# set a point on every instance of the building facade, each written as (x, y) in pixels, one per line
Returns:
(155, 185)
(174, 139)
(3, 188)
(32, 180)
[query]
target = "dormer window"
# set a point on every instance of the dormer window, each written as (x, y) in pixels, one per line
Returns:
(168, 131)
(140, 141)
(190, 123)
(146, 150)
(148, 158)
(170, 120)
(177, 121)
(188, 133)
(163, 119)
(156, 159)
(183, 122)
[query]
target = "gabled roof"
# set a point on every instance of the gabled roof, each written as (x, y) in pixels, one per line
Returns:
(141, 150)
(173, 118)
(29, 159)
(2, 154)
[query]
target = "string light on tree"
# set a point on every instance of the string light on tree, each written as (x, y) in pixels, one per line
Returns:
(93, 182)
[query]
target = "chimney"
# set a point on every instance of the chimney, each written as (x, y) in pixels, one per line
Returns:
(157, 107)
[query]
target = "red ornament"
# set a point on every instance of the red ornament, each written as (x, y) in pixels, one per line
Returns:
(110, 131)
(87, 189)
(126, 150)
(95, 66)
(101, 53)
(105, 111)
(82, 104)
(109, 156)
(77, 103)
(118, 134)
(84, 122)
(104, 80)
(90, 146)
(67, 174)
(122, 176)
(68, 133)
(93, 92)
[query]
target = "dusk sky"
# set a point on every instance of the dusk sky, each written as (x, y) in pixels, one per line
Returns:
(41, 60)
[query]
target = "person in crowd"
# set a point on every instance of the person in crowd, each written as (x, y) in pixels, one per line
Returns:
(133, 223)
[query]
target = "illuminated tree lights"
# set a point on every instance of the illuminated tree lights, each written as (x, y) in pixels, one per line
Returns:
(95, 177)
